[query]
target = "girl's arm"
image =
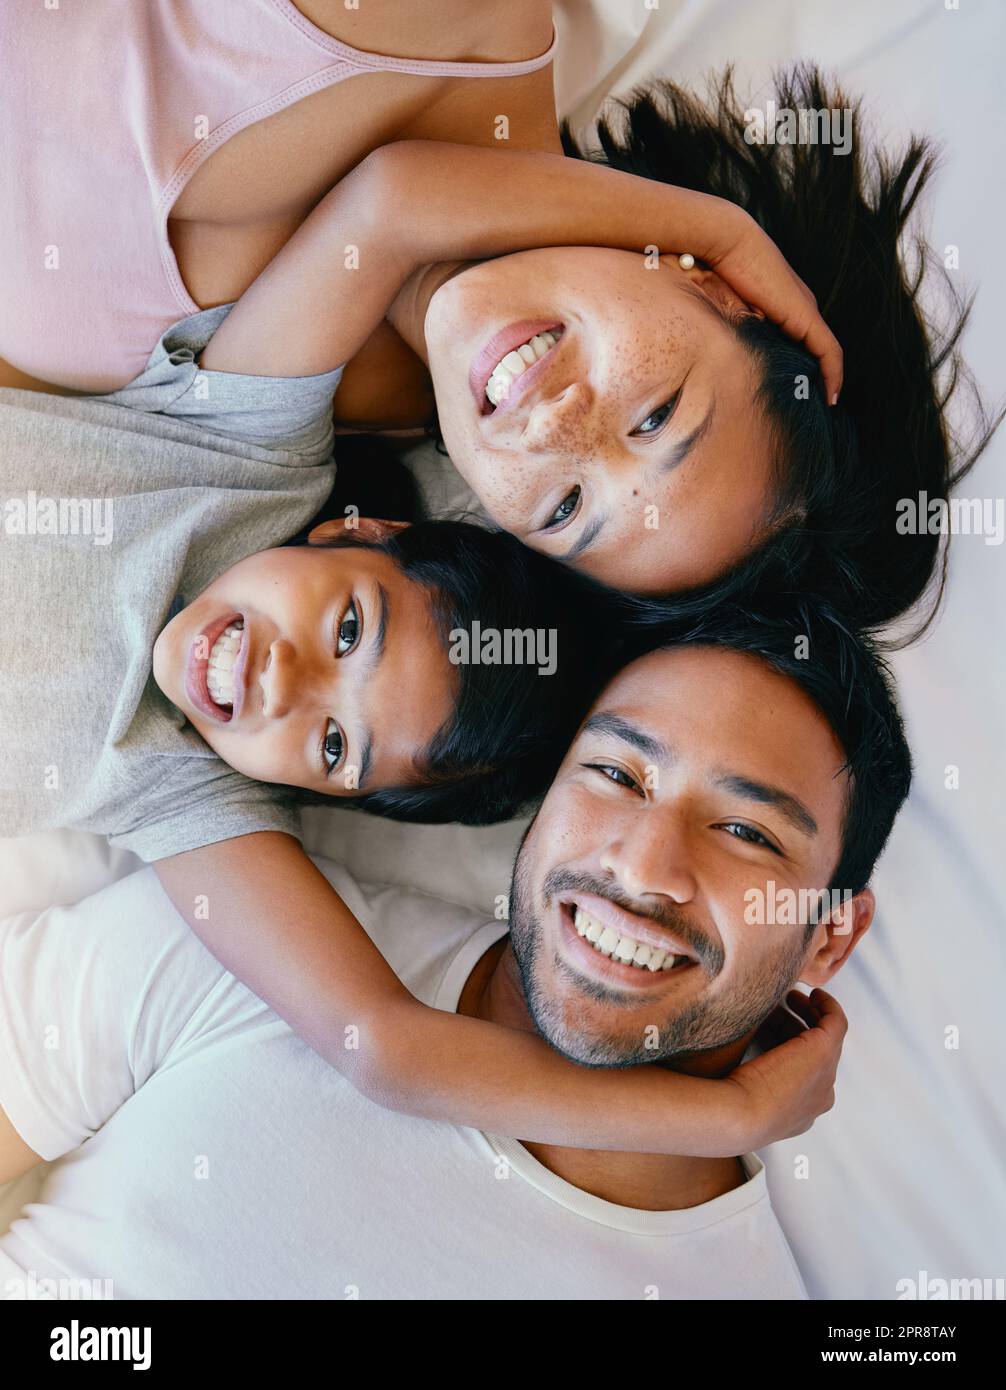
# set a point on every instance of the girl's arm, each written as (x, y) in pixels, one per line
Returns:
(276, 923)
(416, 203)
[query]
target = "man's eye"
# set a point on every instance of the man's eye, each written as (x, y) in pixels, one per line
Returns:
(332, 746)
(655, 421)
(566, 508)
(615, 774)
(748, 834)
(349, 631)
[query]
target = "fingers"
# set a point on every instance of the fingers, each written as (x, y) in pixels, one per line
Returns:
(822, 344)
(820, 1010)
(810, 329)
(795, 308)
(819, 340)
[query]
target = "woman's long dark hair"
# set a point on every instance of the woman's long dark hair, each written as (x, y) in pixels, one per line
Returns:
(840, 221)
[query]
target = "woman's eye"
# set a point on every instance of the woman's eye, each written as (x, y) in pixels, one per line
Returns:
(615, 774)
(332, 746)
(748, 834)
(564, 510)
(349, 631)
(658, 418)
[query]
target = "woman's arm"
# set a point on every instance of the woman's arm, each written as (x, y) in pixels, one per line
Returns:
(276, 923)
(415, 203)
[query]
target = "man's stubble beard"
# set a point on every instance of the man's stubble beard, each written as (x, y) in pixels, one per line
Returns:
(703, 1025)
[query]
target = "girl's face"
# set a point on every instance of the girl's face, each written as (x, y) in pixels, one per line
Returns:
(311, 667)
(633, 448)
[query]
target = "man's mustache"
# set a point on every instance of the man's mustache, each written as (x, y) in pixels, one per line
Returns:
(663, 913)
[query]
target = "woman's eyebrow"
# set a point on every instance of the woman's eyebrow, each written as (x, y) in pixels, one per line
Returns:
(586, 538)
(677, 455)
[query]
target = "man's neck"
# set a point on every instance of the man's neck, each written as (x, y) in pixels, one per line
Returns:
(652, 1182)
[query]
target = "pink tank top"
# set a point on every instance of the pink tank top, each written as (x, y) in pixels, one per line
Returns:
(109, 108)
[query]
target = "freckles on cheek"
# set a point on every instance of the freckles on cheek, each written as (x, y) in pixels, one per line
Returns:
(508, 484)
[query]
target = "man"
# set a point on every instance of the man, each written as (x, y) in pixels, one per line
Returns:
(224, 1159)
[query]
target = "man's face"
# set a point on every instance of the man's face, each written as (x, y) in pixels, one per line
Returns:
(700, 775)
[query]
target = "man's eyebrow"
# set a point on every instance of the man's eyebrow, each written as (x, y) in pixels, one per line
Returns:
(789, 806)
(616, 727)
(684, 447)
(587, 538)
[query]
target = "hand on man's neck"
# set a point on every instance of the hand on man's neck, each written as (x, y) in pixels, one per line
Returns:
(651, 1182)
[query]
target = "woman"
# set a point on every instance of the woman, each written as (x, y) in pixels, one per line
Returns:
(745, 456)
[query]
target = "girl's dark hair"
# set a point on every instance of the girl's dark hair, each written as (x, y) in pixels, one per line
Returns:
(511, 724)
(838, 219)
(810, 641)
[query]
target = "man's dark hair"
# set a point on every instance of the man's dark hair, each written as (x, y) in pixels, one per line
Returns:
(838, 219)
(806, 639)
(511, 726)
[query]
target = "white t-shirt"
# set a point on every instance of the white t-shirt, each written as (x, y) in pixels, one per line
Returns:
(205, 1152)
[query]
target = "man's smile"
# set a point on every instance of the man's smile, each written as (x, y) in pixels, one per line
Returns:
(612, 945)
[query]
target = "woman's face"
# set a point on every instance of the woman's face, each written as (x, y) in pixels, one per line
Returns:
(633, 448)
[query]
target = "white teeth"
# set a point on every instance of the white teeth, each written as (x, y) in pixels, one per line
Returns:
(607, 942)
(220, 670)
(515, 363)
(623, 948)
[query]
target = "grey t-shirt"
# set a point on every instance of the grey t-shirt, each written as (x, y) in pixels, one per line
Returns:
(112, 510)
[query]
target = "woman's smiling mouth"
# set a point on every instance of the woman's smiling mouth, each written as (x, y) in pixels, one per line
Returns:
(510, 362)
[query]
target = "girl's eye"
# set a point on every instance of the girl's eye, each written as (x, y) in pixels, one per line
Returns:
(349, 632)
(566, 508)
(748, 834)
(332, 747)
(655, 421)
(615, 774)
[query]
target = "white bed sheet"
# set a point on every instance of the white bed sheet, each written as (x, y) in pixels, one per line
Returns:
(906, 1173)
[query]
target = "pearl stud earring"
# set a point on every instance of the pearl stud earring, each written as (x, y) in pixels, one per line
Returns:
(686, 261)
